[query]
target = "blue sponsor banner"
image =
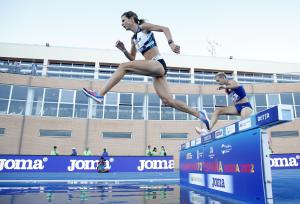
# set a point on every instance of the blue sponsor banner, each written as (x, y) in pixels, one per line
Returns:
(267, 116)
(32, 163)
(285, 161)
(226, 168)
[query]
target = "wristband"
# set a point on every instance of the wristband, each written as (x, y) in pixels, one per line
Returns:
(170, 42)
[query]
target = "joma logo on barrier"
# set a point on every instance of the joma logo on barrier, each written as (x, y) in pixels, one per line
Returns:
(82, 165)
(218, 182)
(22, 164)
(284, 161)
(155, 164)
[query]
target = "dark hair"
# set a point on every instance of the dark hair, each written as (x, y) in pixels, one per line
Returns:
(130, 14)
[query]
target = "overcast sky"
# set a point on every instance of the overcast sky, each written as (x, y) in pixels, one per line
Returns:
(245, 29)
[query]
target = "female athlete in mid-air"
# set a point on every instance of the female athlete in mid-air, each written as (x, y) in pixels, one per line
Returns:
(153, 65)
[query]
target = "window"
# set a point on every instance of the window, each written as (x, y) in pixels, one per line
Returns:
(138, 106)
(208, 104)
(55, 133)
(51, 102)
(17, 107)
(3, 106)
(81, 105)
(2, 131)
(66, 103)
(273, 99)
(51, 95)
(179, 115)
(221, 100)
(167, 113)
(286, 98)
(19, 93)
(153, 107)
(193, 103)
(261, 102)
(297, 98)
(111, 108)
(173, 135)
(81, 97)
(4, 91)
(18, 100)
(119, 135)
(50, 109)
(293, 133)
(125, 106)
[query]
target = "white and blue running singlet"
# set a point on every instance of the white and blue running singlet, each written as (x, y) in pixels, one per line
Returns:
(143, 41)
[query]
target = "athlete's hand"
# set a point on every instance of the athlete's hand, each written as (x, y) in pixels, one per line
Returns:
(175, 48)
(120, 45)
(221, 87)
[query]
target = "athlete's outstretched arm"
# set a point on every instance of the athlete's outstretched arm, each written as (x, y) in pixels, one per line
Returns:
(131, 56)
(151, 27)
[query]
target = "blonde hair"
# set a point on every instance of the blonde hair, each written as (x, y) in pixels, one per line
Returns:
(220, 74)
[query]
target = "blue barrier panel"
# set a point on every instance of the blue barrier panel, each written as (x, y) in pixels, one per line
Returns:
(285, 161)
(33, 163)
(234, 161)
(227, 167)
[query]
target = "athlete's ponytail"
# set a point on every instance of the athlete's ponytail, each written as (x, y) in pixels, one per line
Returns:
(131, 14)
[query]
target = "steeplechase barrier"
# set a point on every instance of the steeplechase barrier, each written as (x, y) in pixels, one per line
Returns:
(234, 161)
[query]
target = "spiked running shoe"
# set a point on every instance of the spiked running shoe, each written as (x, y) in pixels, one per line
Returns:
(93, 94)
(203, 117)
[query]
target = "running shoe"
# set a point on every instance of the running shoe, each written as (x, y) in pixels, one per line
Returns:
(201, 131)
(93, 94)
(203, 117)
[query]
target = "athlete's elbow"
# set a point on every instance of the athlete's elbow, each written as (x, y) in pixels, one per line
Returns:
(165, 30)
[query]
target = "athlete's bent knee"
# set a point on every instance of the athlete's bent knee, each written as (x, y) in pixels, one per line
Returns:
(220, 111)
(167, 101)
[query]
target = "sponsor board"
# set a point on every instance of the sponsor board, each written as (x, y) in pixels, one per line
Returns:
(227, 167)
(198, 141)
(197, 179)
(219, 133)
(196, 198)
(245, 124)
(187, 145)
(207, 138)
(285, 161)
(219, 182)
(229, 130)
(267, 116)
(193, 143)
(31, 163)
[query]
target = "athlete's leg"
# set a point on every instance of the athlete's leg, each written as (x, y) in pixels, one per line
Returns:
(246, 112)
(229, 110)
(162, 90)
(142, 67)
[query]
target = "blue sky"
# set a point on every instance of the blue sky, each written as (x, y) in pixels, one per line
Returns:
(245, 29)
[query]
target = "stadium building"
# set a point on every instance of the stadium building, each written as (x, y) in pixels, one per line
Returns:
(42, 105)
